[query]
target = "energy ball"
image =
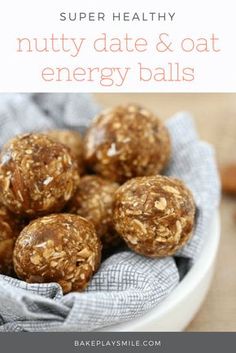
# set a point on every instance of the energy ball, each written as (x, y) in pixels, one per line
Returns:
(62, 248)
(126, 142)
(94, 201)
(37, 175)
(73, 140)
(10, 227)
(154, 215)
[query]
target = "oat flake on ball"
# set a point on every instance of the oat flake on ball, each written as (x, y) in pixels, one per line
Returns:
(62, 248)
(10, 227)
(125, 142)
(37, 175)
(94, 201)
(73, 140)
(154, 215)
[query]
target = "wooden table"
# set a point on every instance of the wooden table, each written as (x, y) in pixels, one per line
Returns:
(215, 116)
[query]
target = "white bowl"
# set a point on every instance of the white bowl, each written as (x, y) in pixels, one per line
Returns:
(179, 308)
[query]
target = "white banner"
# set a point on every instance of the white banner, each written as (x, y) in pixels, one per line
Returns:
(123, 46)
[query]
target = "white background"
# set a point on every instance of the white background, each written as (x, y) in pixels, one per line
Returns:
(215, 72)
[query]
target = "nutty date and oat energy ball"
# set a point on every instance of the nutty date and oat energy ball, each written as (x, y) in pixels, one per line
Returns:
(154, 215)
(10, 227)
(62, 248)
(37, 175)
(73, 140)
(94, 201)
(125, 142)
